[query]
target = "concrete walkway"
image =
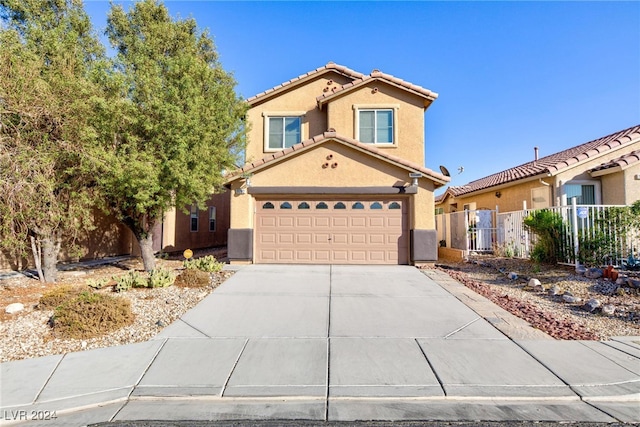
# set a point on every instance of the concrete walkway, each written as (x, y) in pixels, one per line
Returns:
(334, 343)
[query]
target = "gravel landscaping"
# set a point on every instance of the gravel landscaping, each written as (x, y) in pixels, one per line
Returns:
(27, 333)
(564, 304)
(505, 281)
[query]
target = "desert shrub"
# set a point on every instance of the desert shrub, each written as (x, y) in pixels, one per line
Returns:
(547, 226)
(56, 296)
(207, 263)
(160, 278)
(132, 279)
(191, 278)
(91, 314)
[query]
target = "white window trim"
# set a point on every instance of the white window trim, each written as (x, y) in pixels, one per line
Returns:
(214, 217)
(356, 121)
(196, 217)
(566, 202)
(265, 125)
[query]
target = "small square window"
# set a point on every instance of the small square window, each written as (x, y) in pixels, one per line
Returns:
(283, 132)
(194, 218)
(375, 126)
(212, 218)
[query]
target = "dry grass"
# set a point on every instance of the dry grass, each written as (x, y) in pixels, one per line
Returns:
(191, 278)
(58, 295)
(91, 314)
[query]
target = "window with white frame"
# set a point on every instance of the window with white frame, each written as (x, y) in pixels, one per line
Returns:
(375, 126)
(283, 132)
(194, 218)
(212, 218)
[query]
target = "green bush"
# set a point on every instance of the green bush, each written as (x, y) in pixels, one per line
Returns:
(160, 278)
(207, 263)
(132, 279)
(91, 314)
(97, 283)
(192, 278)
(547, 226)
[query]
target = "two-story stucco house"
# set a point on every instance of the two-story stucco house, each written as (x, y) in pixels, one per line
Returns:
(335, 173)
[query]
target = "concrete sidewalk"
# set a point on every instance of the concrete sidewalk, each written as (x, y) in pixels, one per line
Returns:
(334, 343)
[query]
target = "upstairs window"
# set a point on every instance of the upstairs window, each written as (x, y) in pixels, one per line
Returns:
(283, 132)
(375, 126)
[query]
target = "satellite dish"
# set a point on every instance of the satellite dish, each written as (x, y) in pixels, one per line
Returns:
(444, 171)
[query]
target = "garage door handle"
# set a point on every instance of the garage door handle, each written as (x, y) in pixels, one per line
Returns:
(329, 238)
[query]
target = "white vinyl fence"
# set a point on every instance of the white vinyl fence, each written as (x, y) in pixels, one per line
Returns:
(591, 234)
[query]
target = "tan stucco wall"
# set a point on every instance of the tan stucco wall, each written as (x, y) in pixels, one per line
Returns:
(632, 185)
(299, 99)
(409, 119)
(511, 198)
(621, 188)
(354, 169)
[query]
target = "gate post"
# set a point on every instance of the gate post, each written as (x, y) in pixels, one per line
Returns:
(574, 229)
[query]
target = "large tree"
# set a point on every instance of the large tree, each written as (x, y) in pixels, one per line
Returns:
(47, 49)
(175, 120)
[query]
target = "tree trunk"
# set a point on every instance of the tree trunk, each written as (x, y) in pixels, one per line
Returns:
(36, 249)
(146, 249)
(50, 250)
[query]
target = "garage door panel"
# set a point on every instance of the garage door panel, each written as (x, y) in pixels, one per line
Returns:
(322, 238)
(340, 222)
(304, 221)
(268, 255)
(285, 221)
(376, 222)
(358, 221)
(340, 238)
(359, 256)
(358, 238)
(267, 221)
(377, 256)
(268, 238)
(340, 255)
(304, 238)
(321, 221)
(322, 256)
(365, 231)
(377, 239)
(286, 238)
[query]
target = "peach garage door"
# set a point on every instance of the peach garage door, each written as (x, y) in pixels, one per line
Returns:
(332, 231)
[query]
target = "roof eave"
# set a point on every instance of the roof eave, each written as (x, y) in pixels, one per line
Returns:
(503, 185)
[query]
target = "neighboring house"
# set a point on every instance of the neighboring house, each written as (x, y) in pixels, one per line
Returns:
(603, 171)
(199, 228)
(335, 173)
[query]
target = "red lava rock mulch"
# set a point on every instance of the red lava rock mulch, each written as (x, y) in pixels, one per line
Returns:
(546, 322)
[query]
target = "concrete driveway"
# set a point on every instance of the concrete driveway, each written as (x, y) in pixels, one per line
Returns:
(337, 343)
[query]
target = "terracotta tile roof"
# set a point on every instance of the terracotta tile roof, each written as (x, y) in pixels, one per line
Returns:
(377, 75)
(553, 163)
(333, 136)
(304, 77)
(623, 162)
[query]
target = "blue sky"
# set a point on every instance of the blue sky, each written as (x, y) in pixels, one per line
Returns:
(510, 75)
